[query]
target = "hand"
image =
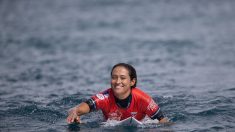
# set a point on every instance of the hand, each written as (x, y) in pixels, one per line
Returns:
(73, 117)
(164, 120)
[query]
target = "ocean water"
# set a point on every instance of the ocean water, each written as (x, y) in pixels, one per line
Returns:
(56, 54)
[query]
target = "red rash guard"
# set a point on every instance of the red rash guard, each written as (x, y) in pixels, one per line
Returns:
(141, 104)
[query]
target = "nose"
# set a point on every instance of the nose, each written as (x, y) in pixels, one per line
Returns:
(118, 80)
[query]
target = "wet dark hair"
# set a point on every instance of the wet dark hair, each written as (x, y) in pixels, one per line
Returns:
(131, 70)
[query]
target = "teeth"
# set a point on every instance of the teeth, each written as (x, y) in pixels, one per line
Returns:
(118, 86)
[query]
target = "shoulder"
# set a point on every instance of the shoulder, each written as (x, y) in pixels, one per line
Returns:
(107, 92)
(139, 94)
(101, 100)
(103, 95)
(144, 100)
(137, 91)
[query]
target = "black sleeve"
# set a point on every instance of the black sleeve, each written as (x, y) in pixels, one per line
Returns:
(91, 104)
(158, 115)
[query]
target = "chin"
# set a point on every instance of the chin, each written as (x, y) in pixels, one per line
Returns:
(117, 91)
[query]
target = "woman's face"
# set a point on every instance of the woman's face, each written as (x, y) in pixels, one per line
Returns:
(121, 82)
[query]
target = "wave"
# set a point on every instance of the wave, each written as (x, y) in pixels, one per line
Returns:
(209, 129)
(231, 89)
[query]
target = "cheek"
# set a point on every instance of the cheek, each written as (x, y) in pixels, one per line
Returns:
(112, 81)
(127, 82)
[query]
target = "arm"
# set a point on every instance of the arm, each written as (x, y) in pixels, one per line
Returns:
(156, 113)
(160, 117)
(94, 103)
(75, 113)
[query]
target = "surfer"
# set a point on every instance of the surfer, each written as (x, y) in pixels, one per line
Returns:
(121, 101)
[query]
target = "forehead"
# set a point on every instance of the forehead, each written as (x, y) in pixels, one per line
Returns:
(120, 70)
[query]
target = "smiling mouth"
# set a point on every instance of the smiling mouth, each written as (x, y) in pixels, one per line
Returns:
(118, 87)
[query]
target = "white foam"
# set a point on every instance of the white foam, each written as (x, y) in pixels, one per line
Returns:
(110, 123)
(150, 121)
(146, 123)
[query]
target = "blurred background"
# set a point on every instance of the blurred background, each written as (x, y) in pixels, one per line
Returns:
(56, 54)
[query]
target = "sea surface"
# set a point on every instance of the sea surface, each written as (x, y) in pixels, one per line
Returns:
(54, 54)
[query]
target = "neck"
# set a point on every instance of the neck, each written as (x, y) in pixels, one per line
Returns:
(124, 103)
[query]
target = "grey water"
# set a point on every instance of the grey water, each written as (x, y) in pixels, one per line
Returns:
(56, 54)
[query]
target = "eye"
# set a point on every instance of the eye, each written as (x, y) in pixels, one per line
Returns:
(123, 78)
(114, 77)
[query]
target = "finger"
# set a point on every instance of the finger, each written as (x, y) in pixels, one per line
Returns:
(70, 120)
(78, 119)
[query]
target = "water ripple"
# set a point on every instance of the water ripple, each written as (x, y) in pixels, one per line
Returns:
(35, 112)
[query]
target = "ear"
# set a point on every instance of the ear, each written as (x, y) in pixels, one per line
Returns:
(133, 82)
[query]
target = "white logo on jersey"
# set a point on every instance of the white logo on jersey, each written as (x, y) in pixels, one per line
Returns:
(100, 96)
(115, 115)
(152, 105)
(133, 114)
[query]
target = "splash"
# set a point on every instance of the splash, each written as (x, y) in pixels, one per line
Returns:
(110, 123)
(146, 123)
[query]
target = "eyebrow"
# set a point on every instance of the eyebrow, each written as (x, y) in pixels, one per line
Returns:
(120, 75)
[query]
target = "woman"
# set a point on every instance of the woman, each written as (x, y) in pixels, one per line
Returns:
(121, 101)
